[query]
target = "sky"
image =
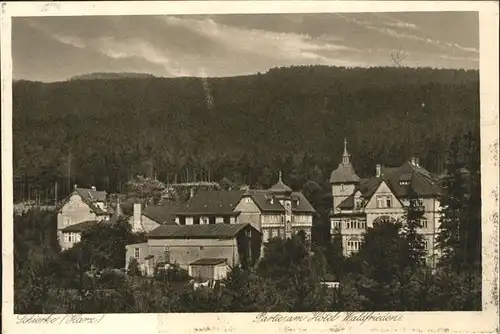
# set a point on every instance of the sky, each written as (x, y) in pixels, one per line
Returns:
(57, 48)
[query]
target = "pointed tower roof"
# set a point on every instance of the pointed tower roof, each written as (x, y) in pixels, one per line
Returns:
(117, 214)
(280, 187)
(345, 172)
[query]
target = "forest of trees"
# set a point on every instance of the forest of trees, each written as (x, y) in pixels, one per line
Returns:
(104, 131)
(387, 274)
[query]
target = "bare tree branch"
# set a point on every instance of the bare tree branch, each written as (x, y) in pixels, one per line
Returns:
(398, 56)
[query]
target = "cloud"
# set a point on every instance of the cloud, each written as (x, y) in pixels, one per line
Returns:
(403, 35)
(255, 40)
(393, 22)
(259, 42)
(225, 45)
(70, 40)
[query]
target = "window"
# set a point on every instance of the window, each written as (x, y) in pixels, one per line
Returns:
(204, 221)
(274, 233)
(182, 220)
(266, 235)
(384, 202)
(336, 224)
(136, 253)
(166, 254)
(423, 223)
(247, 200)
(426, 244)
(353, 245)
(67, 221)
(341, 187)
(66, 237)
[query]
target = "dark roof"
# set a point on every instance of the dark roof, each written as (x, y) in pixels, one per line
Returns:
(347, 203)
(223, 202)
(422, 182)
(198, 231)
(92, 195)
(162, 214)
(213, 202)
(344, 174)
(208, 261)
(89, 197)
(80, 226)
(304, 205)
(280, 188)
(406, 177)
(262, 199)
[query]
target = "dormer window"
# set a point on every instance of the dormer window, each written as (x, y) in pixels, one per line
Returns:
(342, 187)
(358, 203)
(405, 179)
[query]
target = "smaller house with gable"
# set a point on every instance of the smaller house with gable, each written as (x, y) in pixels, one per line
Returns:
(82, 208)
(206, 251)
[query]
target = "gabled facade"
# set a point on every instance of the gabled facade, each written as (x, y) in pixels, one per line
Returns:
(81, 206)
(359, 203)
(276, 212)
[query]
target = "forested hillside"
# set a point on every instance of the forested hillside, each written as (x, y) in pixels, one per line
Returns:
(103, 131)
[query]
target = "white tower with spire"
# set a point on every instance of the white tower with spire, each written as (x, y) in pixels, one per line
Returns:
(343, 179)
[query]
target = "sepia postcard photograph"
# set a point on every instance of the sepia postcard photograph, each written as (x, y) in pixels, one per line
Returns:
(183, 167)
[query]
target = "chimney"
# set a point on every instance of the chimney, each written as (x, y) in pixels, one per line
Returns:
(413, 161)
(378, 171)
(93, 188)
(75, 186)
(191, 192)
(137, 217)
(417, 162)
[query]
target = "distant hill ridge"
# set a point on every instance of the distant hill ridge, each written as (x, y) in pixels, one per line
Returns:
(112, 75)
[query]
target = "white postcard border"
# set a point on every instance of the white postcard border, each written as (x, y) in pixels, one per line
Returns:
(451, 322)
